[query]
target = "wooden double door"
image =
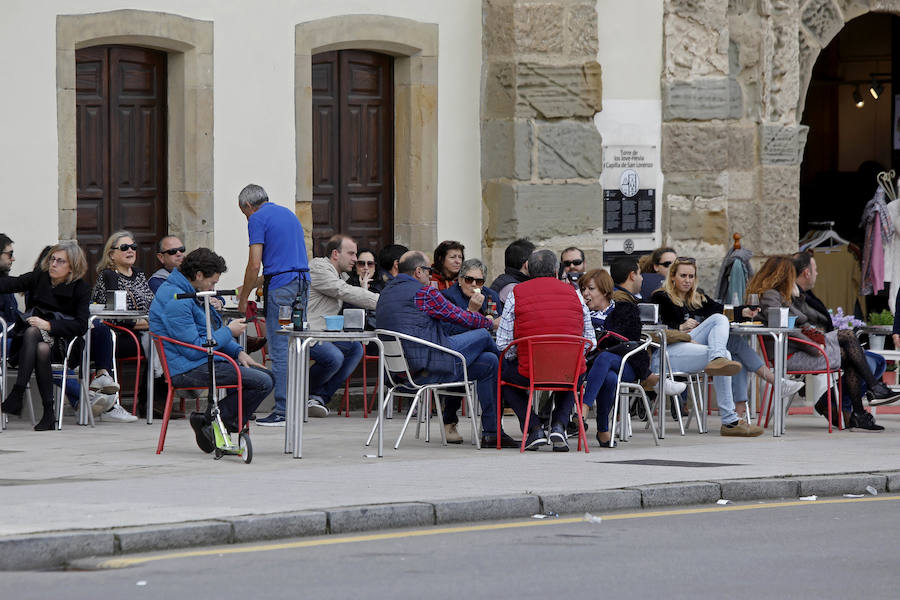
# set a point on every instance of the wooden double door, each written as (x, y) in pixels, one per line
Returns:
(121, 148)
(353, 148)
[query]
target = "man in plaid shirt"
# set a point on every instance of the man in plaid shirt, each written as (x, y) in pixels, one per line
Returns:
(410, 305)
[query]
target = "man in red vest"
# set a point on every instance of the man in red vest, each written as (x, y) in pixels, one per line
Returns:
(541, 305)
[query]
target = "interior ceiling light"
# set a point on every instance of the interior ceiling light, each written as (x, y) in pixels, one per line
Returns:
(858, 99)
(876, 89)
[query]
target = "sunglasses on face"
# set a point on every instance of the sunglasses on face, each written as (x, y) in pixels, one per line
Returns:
(365, 263)
(126, 247)
(569, 263)
(475, 280)
(666, 264)
(170, 251)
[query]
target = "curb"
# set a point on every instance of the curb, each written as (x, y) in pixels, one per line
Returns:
(56, 549)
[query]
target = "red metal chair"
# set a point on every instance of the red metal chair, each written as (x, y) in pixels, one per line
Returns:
(161, 352)
(828, 371)
(136, 359)
(555, 366)
(365, 380)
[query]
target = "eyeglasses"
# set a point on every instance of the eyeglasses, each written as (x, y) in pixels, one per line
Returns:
(9, 253)
(428, 270)
(170, 251)
(475, 280)
(126, 247)
(365, 263)
(666, 264)
(58, 261)
(568, 263)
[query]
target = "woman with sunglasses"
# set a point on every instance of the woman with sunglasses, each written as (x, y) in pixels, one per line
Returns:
(448, 258)
(685, 309)
(361, 276)
(655, 268)
(116, 272)
(470, 293)
(57, 310)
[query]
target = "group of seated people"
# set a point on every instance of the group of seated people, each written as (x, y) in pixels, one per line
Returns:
(444, 299)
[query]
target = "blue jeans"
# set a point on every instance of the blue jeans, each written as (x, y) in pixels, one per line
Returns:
(278, 344)
(256, 384)
(517, 399)
(335, 361)
(602, 383)
(750, 361)
(693, 358)
(480, 352)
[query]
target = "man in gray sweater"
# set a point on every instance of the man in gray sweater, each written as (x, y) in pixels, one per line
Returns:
(328, 291)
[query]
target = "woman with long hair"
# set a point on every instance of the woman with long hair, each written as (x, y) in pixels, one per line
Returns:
(654, 268)
(775, 283)
(448, 258)
(683, 307)
(57, 310)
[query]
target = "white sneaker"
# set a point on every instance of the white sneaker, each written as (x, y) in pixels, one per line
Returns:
(100, 403)
(119, 414)
(789, 387)
(674, 388)
(315, 409)
(104, 384)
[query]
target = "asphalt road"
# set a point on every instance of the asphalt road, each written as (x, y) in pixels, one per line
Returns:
(834, 548)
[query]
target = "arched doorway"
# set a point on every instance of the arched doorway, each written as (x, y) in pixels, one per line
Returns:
(851, 133)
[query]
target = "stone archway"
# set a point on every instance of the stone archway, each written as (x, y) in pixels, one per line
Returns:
(734, 82)
(415, 48)
(189, 46)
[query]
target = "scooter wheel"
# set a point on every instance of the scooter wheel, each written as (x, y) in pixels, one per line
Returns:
(246, 447)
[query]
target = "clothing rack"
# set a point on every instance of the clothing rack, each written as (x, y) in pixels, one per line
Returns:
(821, 235)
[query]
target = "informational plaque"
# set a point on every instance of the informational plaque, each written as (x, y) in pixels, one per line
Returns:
(629, 189)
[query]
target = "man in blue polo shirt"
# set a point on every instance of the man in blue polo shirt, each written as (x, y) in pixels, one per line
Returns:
(276, 243)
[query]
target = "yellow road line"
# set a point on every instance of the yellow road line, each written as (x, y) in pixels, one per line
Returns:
(117, 563)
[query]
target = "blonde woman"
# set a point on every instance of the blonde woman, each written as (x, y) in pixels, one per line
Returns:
(683, 307)
(57, 310)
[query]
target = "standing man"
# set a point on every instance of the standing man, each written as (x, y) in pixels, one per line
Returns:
(276, 244)
(541, 305)
(170, 253)
(9, 308)
(328, 291)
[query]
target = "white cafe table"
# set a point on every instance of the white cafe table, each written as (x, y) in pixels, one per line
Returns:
(780, 336)
(298, 381)
(85, 416)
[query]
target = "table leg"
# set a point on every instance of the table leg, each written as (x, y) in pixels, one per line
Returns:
(660, 390)
(380, 397)
(300, 409)
(776, 391)
(290, 396)
(150, 383)
(85, 416)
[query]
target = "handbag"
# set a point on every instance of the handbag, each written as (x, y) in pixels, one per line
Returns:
(814, 334)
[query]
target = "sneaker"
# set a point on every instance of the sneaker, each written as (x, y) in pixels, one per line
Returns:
(451, 434)
(789, 387)
(722, 366)
(202, 432)
(674, 388)
(489, 440)
(119, 414)
(558, 438)
(864, 423)
(100, 403)
(740, 428)
(104, 384)
(316, 408)
(881, 394)
(273, 420)
(536, 439)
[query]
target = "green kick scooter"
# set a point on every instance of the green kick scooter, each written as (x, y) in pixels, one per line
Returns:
(224, 444)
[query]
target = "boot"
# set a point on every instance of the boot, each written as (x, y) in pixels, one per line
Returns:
(48, 419)
(13, 403)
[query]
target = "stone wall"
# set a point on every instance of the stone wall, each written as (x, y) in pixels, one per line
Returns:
(734, 85)
(540, 151)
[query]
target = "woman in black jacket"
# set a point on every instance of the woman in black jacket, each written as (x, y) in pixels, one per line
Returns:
(57, 310)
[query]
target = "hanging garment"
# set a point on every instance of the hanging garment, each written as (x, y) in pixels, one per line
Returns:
(724, 289)
(879, 230)
(839, 278)
(892, 254)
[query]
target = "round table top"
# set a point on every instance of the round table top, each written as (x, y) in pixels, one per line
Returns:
(321, 334)
(120, 314)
